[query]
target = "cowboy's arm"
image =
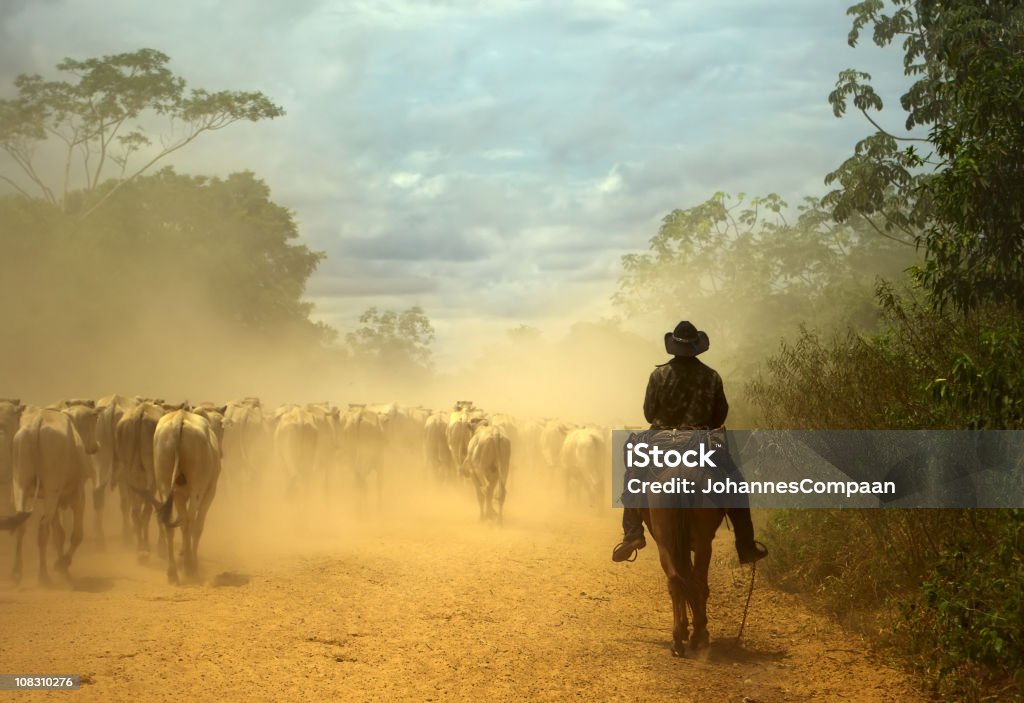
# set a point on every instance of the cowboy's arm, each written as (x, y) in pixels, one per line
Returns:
(651, 399)
(720, 408)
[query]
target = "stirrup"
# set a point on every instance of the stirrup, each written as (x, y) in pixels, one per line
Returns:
(758, 552)
(640, 544)
(631, 557)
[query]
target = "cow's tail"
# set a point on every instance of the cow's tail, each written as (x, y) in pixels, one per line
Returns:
(108, 476)
(133, 455)
(163, 512)
(12, 522)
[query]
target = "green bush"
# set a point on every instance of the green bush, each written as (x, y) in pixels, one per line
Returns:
(942, 588)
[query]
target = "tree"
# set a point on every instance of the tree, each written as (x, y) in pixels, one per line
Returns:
(524, 335)
(956, 192)
(206, 270)
(744, 272)
(398, 340)
(95, 121)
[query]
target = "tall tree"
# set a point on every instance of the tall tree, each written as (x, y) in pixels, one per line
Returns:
(201, 272)
(743, 271)
(955, 191)
(95, 120)
(398, 340)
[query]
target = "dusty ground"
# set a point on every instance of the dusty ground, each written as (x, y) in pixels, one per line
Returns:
(422, 603)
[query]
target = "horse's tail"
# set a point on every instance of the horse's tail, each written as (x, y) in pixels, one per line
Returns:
(677, 539)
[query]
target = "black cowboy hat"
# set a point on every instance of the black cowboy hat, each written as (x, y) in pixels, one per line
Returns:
(685, 340)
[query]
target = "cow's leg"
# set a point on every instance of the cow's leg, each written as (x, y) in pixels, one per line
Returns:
(199, 522)
(501, 499)
(181, 503)
(98, 497)
(19, 538)
(489, 498)
(136, 514)
(126, 512)
(147, 513)
(57, 537)
(480, 497)
(50, 514)
(172, 567)
(77, 521)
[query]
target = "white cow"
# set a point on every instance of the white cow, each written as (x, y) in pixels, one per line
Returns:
(107, 468)
(10, 418)
(295, 445)
(186, 458)
(133, 448)
(585, 461)
(436, 454)
(487, 462)
(364, 440)
(247, 444)
(51, 466)
(461, 423)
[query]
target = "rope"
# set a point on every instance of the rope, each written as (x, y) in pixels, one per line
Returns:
(746, 606)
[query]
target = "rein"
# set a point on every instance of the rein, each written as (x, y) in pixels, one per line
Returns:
(746, 606)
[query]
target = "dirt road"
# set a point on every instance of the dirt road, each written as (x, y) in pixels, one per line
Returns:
(424, 604)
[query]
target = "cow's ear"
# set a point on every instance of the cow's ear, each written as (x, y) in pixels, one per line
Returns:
(21, 408)
(221, 409)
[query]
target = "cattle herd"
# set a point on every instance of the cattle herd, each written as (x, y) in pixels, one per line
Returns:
(167, 462)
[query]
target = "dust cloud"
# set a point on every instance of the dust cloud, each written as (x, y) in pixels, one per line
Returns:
(83, 319)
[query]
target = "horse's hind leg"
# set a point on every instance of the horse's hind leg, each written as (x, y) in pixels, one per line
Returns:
(680, 624)
(677, 590)
(699, 596)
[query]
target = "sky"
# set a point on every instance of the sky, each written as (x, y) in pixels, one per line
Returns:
(490, 161)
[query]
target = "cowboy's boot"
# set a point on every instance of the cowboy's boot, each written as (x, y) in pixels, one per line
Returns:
(748, 550)
(633, 536)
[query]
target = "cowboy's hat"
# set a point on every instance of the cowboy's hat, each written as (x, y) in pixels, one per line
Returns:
(685, 340)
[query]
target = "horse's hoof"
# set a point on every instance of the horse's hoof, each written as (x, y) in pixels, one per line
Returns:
(143, 558)
(16, 576)
(679, 650)
(172, 577)
(700, 640)
(63, 564)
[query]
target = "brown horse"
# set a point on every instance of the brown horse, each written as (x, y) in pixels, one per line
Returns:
(680, 532)
(684, 526)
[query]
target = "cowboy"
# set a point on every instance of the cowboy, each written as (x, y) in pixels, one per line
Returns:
(683, 392)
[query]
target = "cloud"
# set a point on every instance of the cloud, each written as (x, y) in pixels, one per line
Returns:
(488, 157)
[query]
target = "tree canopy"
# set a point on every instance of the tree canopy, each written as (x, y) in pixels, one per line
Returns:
(954, 191)
(396, 340)
(741, 269)
(207, 265)
(95, 121)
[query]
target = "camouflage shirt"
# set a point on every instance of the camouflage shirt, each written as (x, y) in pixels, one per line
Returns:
(685, 393)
